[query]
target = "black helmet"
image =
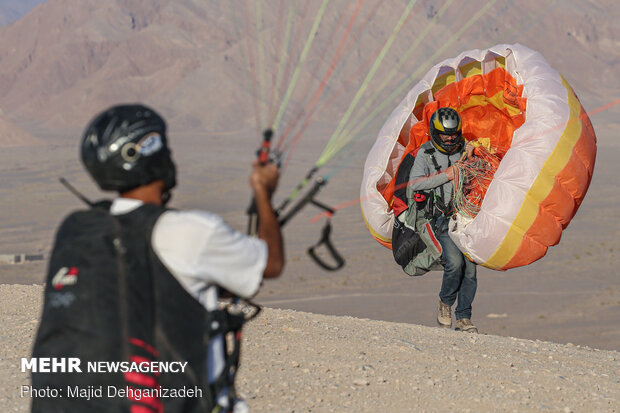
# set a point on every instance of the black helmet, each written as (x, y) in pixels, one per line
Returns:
(446, 121)
(125, 147)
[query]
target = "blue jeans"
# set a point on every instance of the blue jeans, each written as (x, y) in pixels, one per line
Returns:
(459, 277)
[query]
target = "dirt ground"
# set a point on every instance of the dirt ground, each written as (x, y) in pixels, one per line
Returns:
(300, 362)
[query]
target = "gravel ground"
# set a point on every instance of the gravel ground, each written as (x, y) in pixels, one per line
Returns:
(302, 362)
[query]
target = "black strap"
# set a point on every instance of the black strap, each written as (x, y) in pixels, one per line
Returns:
(340, 262)
(431, 153)
(440, 203)
(223, 321)
(324, 240)
(308, 198)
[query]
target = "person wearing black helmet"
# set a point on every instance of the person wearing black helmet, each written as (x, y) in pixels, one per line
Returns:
(132, 281)
(433, 171)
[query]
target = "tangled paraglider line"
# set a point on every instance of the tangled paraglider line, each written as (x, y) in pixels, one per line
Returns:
(472, 178)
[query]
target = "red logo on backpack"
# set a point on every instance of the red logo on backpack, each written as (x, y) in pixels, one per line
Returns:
(65, 276)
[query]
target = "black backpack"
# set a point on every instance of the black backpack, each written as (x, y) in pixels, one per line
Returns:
(108, 299)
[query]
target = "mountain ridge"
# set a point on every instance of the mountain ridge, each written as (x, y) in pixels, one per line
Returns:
(199, 62)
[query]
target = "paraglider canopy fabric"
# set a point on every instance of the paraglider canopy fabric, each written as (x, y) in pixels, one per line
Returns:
(490, 105)
(511, 97)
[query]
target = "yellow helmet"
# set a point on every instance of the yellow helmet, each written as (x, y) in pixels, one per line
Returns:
(446, 121)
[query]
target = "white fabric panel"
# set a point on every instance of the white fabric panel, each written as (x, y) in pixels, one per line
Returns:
(546, 116)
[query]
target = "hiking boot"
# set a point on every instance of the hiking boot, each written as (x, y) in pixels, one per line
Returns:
(465, 324)
(444, 315)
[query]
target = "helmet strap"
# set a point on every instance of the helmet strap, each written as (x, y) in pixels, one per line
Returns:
(166, 195)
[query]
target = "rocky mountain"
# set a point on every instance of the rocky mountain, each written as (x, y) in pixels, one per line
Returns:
(13, 135)
(206, 64)
(12, 10)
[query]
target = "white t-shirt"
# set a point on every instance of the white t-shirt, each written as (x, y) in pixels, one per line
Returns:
(200, 250)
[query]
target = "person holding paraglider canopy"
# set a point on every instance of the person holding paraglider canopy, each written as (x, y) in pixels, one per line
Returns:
(512, 200)
(432, 173)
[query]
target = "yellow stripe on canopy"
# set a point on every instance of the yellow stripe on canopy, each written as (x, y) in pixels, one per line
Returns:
(541, 187)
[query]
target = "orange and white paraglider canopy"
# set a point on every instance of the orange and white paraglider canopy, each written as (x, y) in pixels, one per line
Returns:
(511, 100)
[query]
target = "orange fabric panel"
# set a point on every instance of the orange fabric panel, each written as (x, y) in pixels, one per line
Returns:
(546, 228)
(529, 248)
(387, 245)
(480, 119)
(585, 157)
(498, 80)
(489, 122)
(570, 186)
(470, 86)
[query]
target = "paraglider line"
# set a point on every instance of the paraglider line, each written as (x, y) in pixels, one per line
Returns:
(314, 74)
(282, 58)
(354, 37)
(369, 76)
(347, 137)
(316, 167)
(579, 118)
(361, 67)
(602, 108)
(331, 150)
(302, 59)
(323, 84)
(403, 60)
(289, 62)
(257, 113)
(261, 54)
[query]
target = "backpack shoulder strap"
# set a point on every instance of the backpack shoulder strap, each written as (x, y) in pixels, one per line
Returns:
(431, 153)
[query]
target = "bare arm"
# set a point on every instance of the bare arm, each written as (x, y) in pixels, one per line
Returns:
(264, 180)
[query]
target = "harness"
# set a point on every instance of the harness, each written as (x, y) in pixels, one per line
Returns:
(437, 205)
(228, 322)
